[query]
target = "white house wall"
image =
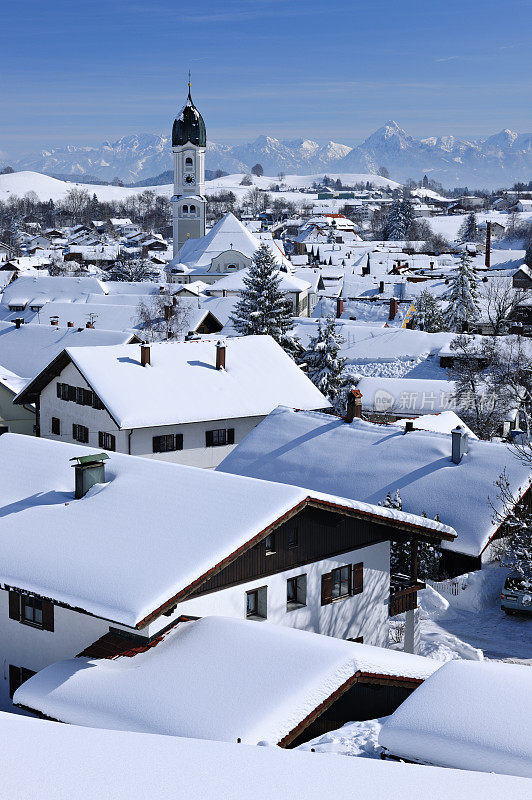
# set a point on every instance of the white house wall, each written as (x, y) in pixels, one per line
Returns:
(364, 614)
(194, 452)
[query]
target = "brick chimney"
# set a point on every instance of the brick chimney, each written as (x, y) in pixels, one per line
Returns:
(70, 324)
(339, 307)
(354, 405)
(89, 325)
(381, 287)
(220, 355)
(394, 305)
(54, 322)
(460, 444)
(18, 322)
(145, 355)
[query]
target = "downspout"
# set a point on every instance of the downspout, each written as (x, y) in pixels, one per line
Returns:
(129, 441)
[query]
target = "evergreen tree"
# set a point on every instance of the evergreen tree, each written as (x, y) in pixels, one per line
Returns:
(262, 307)
(462, 297)
(325, 365)
(429, 313)
(528, 252)
(407, 214)
(399, 220)
(468, 230)
(132, 270)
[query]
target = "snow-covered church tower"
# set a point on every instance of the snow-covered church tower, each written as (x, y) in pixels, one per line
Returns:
(189, 140)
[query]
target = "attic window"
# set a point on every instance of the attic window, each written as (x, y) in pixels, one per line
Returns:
(188, 162)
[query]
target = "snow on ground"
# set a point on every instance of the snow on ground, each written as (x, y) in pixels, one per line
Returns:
(353, 739)
(472, 621)
(449, 226)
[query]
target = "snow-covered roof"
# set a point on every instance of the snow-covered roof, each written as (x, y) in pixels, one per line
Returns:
(183, 385)
(228, 234)
(264, 682)
(72, 762)
(366, 461)
(444, 422)
(234, 282)
(43, 288)
(95, 554)
(406, 396)
(470, 715)
(28, 349)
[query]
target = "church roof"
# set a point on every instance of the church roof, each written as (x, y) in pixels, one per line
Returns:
(189, 126)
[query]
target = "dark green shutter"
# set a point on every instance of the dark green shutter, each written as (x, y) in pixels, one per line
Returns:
(230, 436)
(208, 439)
(14, 605)
(47, 615)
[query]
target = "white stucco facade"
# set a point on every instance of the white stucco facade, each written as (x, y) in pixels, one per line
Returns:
(139, 441)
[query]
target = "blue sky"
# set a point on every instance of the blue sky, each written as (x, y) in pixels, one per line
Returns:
(81, 72)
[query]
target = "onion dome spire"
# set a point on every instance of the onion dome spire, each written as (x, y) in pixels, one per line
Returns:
(189, 125)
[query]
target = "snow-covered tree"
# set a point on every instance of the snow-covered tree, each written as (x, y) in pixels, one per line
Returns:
(399, 220)
(515, 517)
(132, 270)
(462, 296)
(325, 365)
(429, 313)
(428, 555)
(163, 317)
(392, 501)
(468, 231)
(262, 307)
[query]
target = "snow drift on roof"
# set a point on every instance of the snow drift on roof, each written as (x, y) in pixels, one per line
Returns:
(470, 715)
(265, 680)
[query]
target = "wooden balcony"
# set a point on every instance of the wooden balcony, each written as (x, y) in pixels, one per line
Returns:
(403, 594)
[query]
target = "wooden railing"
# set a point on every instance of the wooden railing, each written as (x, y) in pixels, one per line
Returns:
(403, 594)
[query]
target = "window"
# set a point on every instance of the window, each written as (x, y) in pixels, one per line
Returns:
(185, 209)
(292, 538)
(296, 592)
(17, 308)
(192, 209)
(219, 437)
(340, 582)
(269, 544)
(17, 676)
(35, 308)
(80, 433)
(106, 441)
(56, 426)
(256, 603)
(188, 162)
(34, 611)
(168, 442)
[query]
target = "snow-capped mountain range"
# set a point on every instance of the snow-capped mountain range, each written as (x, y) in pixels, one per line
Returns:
(495, 161)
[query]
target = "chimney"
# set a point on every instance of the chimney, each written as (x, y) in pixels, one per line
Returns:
(393, 308)
(339, 307)
(70, 324)
(54, 322)
(381, 287)
(145, 355)
(354, 405)
(224, 292)
(409, 426)
(18, 322)
(460, 444)
(89, 325)
(220, 355)
(487, 260)
(88, 471)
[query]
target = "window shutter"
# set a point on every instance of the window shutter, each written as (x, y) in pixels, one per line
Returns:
(47, 615)
(100, 439)
(72, 393)
(179, 441)
(326, 588)
(230, 436)
(112, 443)
(208, 439)
(358, 578)
(87, 397)
(59, 392)
(14, 605)
(156, 444)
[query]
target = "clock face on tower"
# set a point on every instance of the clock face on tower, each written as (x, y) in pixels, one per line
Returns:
(189, 178)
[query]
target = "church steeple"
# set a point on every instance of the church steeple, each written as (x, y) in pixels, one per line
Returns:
(189, 125)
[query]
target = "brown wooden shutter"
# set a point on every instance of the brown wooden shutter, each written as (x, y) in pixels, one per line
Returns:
(47, 615)
(358, 578)
(14, 605)
(230, 436)
(208, 439)
(326, 588)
